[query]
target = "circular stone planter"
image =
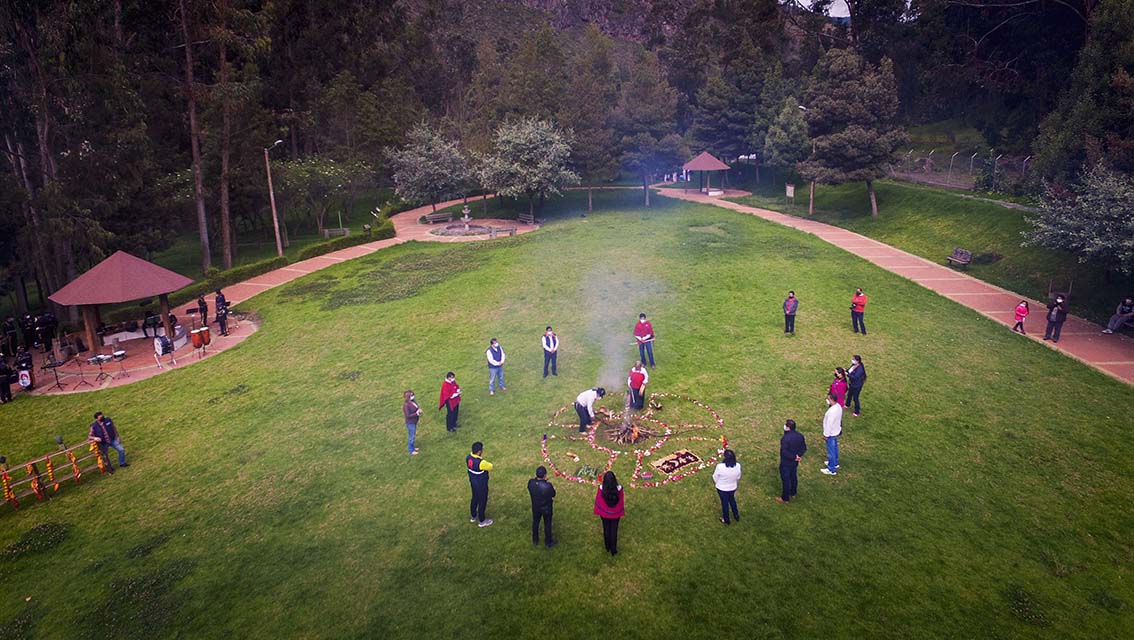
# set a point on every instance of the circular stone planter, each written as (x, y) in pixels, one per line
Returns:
(459, 229)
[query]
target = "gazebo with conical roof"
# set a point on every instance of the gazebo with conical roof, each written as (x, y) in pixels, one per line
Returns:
(705, 163)
(120, 278)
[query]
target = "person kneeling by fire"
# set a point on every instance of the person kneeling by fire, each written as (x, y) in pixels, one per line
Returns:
(637, 382)
(585, 406)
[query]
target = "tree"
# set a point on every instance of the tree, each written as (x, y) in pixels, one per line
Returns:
(773, 92)
(319, 182)
(588, 109)
(531, 159)
(190, 90)
(428, 168)
(1093, 218)
(852, 109)
(786, 142)
(645, 118)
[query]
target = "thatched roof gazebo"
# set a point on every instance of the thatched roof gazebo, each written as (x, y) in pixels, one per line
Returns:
(120, 278)
(705, 163)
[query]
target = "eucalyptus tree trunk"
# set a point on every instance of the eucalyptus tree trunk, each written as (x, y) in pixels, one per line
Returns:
(225, 152)
(194, 142)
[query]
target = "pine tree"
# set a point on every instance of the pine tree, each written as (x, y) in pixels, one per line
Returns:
(588, 110)
(786, 142)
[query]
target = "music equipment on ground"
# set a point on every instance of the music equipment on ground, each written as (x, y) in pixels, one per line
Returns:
(120, 357)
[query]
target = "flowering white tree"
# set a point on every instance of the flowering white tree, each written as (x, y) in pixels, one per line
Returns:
(531, 159)
(428, 168)
(318, 182)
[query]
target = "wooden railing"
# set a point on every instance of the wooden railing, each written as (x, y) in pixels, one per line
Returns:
(43, 476)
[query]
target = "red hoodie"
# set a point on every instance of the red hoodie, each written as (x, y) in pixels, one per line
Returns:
(859, 302)
(447, 390)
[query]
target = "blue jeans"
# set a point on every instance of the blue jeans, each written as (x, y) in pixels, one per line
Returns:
(117, 446)
(644, 349)
(832, 453)
(412, 430)
(858, 321)
(728, 499)
(494, 374)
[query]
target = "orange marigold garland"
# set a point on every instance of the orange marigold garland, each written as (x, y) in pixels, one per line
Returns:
(9, 495)
(98, 457)
(75, 466)
(36, 485)
(51, 472)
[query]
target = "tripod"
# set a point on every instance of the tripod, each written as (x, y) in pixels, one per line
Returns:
(82, 380)
(102, 374)
(54, 366)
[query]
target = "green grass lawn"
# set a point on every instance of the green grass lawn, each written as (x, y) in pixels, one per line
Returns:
(931, 222)
(984, 491)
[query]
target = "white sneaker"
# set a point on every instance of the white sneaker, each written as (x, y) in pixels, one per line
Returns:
(826, 471)
(1107, 331)
(472, 519)
(487, 522)
(828, 463)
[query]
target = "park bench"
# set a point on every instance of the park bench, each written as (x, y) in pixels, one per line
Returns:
(440, 216)
(495, 231)
(961, 257)
(526, 218)
(334, 233)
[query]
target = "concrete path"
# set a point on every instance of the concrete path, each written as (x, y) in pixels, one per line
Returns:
(406, 228)
(1081, 339)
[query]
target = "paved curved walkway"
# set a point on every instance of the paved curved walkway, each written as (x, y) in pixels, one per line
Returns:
(1081, 339)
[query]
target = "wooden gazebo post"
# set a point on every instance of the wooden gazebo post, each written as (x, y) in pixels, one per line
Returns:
(163, 301)
(90, 325)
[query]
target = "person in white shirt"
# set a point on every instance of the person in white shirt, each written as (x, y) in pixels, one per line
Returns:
(725, 477)
(637, 381)
(550, 351)
(496, 357)
(585, 406)
(832, 429)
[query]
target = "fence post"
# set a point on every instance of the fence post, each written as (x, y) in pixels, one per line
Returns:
(9, 494)
(971, 160)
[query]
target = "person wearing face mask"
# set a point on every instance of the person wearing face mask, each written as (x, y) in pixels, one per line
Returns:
(412, 412)
(832, 429)
(450, 399)
(791, 303)
(1056, 315)
(1123, 315)
(856, 378)
(550, 351)
(839, 385)
(858, 311)
(495, 356)
(792, 447)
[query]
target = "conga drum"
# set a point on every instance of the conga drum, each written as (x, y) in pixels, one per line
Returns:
(197, 338)
(206, 335)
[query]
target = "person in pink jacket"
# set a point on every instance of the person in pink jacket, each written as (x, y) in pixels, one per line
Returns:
(839, 385)
(1022, 312)
(610, 506)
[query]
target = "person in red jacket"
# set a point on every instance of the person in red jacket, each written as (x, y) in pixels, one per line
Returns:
(857, 309)
(1022, 311)
(451, 400)
(644, 337)
(839, 385)
(610, 506)
(637, 381)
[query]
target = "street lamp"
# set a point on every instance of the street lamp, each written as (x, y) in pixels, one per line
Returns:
(272, 197)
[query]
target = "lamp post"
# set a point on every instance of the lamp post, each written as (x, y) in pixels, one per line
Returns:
(951, 159)
(272, 197)
(811, 195)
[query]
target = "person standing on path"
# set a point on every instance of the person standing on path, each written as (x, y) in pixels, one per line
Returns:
(1123, 315)
(412, 412)
(725, 478)
(1056, 316)
(644, 336)
(5, 381)
(858, 311)
(832, 429)
(105, 435)
(543, 496)
(839, 385)
(637, 382)
(856, 377)
(1022, 311)
(585, 406)
(792, 447)
(203, 309)
(10, 337)
(550, 351)
(451, 400)
(610, 505)
(478, 469)
(496, 357)
(791, 304)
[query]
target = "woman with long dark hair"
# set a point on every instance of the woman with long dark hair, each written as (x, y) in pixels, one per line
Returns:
(609, 505)
(1022, 311)
(725, 478)
(839, 385)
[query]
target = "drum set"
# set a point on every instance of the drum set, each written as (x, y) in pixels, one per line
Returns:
(201, 339)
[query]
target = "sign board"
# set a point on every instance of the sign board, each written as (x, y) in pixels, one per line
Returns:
(790, 190)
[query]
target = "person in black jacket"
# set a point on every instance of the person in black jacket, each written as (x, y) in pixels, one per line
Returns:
(792, 448)
(543, 495)
(9, 337)
(856, 377)
(6, 382)
(27, 328)
(1056, 315)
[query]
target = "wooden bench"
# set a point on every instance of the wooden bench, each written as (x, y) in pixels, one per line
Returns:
(961, 257)
(496, 231)
(440, 216)
(526, 218)
(334, 233)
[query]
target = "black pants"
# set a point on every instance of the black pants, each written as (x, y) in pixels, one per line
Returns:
(610, 534)
(546, 517)
(584, 417)
(637, 398)
(1019, 326)
(789, 323)
(223, 322)
(852, 396)
(728, 499)
(789, 479)
(857, 321)
(550, 358)
(451, 416)
(5, 390)
(1052, 330)
(479, 500)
